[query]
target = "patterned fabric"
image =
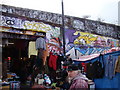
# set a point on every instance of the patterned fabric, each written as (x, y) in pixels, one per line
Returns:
(87, 57)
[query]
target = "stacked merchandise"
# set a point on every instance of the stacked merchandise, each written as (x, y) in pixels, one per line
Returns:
(12, 81)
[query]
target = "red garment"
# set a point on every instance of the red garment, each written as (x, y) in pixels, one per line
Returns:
(53, 61)
(65, 67)
(85, 66)
(50, 60)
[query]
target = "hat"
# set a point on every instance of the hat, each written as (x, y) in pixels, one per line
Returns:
(73, 67)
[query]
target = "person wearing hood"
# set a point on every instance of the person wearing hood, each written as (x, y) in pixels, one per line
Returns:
(76, 79)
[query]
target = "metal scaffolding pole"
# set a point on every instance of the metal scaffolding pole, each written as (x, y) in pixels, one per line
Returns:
(63, 27)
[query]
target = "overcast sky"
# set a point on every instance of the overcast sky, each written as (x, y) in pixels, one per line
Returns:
(107, 10)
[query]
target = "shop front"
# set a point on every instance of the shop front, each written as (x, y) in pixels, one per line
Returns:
(15, 52)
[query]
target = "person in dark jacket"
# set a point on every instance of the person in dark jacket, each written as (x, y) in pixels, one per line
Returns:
(76, 79)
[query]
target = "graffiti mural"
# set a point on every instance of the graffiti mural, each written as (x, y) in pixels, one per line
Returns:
(81, 24)
(77, 40)
(87, 43)
(24, 24)
(52, 32)
(78, 24)
(55, 45)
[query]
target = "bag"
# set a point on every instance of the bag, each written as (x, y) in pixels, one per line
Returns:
(90, 73)
(99, 70)
(95, 70)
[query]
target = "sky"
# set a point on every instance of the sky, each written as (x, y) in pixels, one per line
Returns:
(107, 10)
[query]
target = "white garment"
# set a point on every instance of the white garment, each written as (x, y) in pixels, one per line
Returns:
(32, 48)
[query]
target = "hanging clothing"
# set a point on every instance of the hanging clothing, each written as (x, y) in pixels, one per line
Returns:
(109, 62)
(90, 73)
(117, 65)
(40, 43)
(41, 47)
(45, 54)
(95, 70)
(84, 67)
(53, 61)
(31, 49)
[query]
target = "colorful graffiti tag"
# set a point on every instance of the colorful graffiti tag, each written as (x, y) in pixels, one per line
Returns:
(84, 38)
(82, 43)
(38, 26)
